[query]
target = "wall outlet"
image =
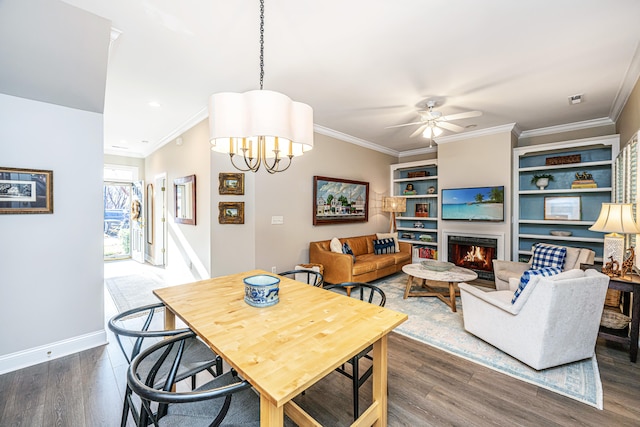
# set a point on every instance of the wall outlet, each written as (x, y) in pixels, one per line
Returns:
(273, 270)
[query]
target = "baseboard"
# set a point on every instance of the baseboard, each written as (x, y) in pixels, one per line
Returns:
(33, 356)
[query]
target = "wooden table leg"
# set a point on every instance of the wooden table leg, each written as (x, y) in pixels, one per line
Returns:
(452, 296)
(380, 379)
(409, 284)
(270, 414)
(169, 319)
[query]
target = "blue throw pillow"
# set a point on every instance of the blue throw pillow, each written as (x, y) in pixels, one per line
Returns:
(548, 256)
(346, 249)
(527, 275)
(384, 246)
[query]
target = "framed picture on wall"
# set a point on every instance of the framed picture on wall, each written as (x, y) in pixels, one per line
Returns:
(337, 201)
(231, 212)
(26, 191)
(231, 183)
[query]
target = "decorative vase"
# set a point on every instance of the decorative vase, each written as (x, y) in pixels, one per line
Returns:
(542, 182)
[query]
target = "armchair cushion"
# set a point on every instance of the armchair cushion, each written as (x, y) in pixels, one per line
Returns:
(527, 275)
(548, 256)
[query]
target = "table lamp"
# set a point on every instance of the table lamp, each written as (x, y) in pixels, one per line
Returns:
(394, 205)
(616, 219)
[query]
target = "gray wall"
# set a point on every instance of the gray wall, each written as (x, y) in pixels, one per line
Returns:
(51, 280)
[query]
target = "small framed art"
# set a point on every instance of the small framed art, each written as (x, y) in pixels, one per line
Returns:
(26, 191)
(562, 208)
(231, 212)
(231, 183)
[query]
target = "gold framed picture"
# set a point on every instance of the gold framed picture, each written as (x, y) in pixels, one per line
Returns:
(231, 183)
(231, 212)
(26, 191)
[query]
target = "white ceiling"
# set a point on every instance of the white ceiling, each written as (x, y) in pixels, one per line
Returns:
(364, 65)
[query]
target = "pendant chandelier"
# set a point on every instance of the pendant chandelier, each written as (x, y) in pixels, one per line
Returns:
(261, 126)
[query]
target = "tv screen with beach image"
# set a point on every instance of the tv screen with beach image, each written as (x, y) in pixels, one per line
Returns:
(473, 204)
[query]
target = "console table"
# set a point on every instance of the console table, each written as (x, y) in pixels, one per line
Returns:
(631, 285)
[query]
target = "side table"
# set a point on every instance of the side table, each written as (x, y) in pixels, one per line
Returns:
(630, 284)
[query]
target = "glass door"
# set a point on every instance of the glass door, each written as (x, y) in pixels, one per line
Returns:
(117, 220)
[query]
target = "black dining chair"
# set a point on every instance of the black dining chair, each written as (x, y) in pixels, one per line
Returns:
(373, 295)
(226, 398)
(136, 324)
(310, 277)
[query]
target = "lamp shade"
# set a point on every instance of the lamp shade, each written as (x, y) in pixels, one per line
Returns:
(394, 204)
(286, 125)
(616, 218)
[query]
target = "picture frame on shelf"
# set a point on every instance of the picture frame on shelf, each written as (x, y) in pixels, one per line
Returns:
(337, 201)
(231, 212)
(231, 183)
(422, 210)
(26, 191)
(563, 208)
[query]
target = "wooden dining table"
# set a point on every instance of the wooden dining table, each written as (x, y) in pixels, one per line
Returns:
(284, 349)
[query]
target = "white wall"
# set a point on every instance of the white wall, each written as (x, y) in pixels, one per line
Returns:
(51, 271)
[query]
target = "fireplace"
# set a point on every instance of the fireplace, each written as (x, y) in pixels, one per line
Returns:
(474, 253)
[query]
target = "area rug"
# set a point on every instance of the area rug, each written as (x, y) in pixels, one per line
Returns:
(433, 323)
(134, 290)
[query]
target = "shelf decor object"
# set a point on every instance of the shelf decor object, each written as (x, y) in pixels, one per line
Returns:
(615, 219)
(394, 205)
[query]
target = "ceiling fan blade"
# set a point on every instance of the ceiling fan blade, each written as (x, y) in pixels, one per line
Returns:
(450, 126)
(405, 124)
(459, 116)
(418, 131)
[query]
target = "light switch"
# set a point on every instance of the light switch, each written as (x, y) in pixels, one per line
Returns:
(277, 220)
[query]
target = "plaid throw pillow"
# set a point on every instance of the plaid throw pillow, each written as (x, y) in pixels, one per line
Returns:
(384, 246)
(548, 256)
(526, 277)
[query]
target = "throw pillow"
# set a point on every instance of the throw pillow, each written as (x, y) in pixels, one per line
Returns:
(335, 245)
(346, 249)
(527, 275)
(384, 246)
(393, 236)
(548, 256)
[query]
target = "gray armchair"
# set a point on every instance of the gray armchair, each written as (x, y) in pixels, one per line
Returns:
(554, 321)
(505, 270)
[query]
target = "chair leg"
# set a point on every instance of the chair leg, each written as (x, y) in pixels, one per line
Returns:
(356, 388)
(193, 382)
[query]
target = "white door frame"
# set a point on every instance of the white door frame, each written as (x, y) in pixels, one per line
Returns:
(160, 219)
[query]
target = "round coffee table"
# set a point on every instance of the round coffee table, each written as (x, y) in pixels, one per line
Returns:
(453, 276)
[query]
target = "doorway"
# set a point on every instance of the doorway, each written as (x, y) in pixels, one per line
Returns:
(117, 220)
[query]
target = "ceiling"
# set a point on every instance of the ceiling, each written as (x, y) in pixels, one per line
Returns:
(363, 65)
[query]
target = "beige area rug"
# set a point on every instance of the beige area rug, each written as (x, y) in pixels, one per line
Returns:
(133, 291)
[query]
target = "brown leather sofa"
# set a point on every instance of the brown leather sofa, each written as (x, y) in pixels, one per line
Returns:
(339, 268)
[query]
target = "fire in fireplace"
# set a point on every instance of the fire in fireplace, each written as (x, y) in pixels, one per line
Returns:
(474, 253)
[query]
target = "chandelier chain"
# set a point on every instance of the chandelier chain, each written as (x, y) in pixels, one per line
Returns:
(261, 43)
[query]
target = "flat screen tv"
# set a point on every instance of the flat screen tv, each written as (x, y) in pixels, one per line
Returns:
(473, 204)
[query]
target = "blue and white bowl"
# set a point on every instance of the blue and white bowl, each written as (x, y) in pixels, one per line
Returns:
(261, 290)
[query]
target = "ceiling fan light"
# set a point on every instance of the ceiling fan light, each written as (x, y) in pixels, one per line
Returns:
(437, 131)
(427, 133)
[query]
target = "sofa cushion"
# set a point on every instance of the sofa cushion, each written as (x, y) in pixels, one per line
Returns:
(393, 236)
(384, 246)
(346, 249)
(358, 245)
(363, 265)
(548, 256)
(401, 257)
(335, 245)
(529, 274)
(379, 261)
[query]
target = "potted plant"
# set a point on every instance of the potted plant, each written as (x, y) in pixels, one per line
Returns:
(542, 180)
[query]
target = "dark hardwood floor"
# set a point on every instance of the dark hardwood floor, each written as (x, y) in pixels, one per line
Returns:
(427, 387)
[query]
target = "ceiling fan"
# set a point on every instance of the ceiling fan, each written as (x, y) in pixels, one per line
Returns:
(432, 122)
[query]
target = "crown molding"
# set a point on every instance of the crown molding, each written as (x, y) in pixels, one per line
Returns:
(185, 126)
(511, 127)
(626, 87)
(604, 121)
(353, 140)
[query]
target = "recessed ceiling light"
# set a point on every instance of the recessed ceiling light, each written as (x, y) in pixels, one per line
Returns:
(118, 146)
(144, 141)
(154, 104)
(576, 99)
